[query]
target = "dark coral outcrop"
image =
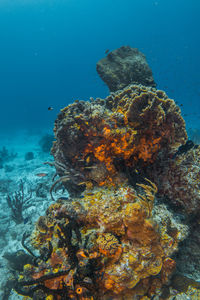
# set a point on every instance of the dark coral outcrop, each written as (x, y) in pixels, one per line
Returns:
(105, 140)
(125, 66)
(179, 180)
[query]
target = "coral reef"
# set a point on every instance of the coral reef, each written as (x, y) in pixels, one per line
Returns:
(188, 257)
(184, 288)
(179, 180)
(106, 141)
(125, 66)
(109, 239)
(170, 227)
(191, 294)
(104, 244)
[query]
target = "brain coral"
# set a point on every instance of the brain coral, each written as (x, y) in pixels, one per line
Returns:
(101, 141)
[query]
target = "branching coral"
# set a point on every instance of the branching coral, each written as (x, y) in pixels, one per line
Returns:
(19, 202)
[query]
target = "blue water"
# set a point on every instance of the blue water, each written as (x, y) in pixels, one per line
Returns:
(48, 55)
(49, 50)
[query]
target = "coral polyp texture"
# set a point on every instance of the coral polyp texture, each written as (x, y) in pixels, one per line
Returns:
(102, 141)
(124, 66)
(179, 180)
(104, 245)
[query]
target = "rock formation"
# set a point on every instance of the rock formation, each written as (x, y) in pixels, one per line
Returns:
(125, 66)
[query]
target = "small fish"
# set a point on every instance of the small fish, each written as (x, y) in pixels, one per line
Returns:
(107, 50)
(184, 148)
(178, 103)
(50, 108)
(89, 194)
(63, 198)
(81, 254)
(102, 274)
(92, 167)
(26, 220)
(41, 174)
(81, 183)
(87, 280)
(68, 280)
(66, 179)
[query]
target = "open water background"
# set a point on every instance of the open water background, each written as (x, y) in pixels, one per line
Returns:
(49, 50)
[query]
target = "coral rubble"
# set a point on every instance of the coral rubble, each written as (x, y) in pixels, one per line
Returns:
(18, 203)
(125, 66)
